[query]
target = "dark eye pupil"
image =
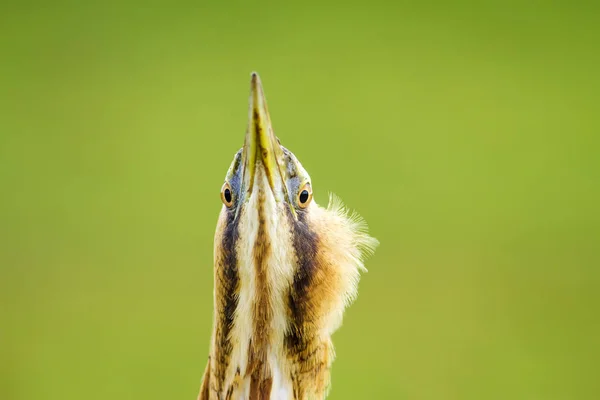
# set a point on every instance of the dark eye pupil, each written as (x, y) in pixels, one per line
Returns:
(227, 195)
(304, 196)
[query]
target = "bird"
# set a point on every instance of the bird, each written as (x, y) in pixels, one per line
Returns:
(285, 269)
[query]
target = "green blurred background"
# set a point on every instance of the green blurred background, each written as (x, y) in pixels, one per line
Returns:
(466, 135)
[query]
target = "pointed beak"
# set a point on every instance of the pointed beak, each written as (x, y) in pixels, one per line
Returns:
(261, 146)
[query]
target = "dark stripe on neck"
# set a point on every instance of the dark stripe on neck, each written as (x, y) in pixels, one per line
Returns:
(230, 269)
(305, 244)
(228, 279)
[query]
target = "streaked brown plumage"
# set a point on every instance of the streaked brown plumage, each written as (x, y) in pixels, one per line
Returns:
(285, 269)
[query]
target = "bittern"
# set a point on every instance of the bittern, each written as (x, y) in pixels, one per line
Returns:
(284, 271)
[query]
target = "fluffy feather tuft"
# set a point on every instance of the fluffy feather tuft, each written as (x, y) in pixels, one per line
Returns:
(362, 241)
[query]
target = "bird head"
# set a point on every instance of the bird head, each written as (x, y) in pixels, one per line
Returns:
(269, 217)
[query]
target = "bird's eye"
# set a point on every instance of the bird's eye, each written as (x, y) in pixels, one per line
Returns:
(305, 196)
(226, 195)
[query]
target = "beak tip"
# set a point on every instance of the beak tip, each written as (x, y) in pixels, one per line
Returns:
(254, 78)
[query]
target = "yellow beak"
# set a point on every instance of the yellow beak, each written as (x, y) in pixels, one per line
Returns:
(261, 145)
